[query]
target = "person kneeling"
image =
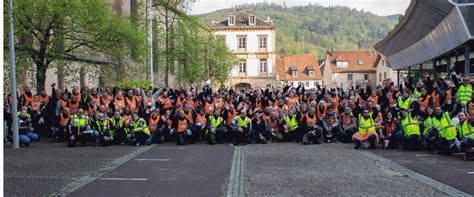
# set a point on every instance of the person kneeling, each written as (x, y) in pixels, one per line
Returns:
(312, 132)
(215, 128)
(79, 129)
(366, 131)
(411, 131)
(138, 131)
(242, 126)
(182, 126)
(102, 127)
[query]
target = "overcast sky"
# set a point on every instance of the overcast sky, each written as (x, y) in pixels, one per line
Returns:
(378, 7)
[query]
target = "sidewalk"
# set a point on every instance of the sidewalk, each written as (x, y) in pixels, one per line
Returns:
(47, 166)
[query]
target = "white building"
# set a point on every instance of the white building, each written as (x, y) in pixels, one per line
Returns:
(252, 40)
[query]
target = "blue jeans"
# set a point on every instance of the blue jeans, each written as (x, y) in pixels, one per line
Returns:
(5, 131)
(155, 137)
(468, 142)
(25, 139)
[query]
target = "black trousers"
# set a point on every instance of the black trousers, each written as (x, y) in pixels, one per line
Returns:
(411, 142)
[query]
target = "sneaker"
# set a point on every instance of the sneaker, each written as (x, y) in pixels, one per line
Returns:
(137, 144)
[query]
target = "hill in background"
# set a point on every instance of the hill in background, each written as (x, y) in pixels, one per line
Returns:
(316, 29)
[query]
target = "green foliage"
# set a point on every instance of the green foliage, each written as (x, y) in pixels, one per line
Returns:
(133, 83)
(317, 29)
(53, 30)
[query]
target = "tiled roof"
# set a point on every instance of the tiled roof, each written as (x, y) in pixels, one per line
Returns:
(358, 61)
(241, 21)
(302, 64)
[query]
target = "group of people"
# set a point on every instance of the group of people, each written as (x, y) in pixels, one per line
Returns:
(435, 114)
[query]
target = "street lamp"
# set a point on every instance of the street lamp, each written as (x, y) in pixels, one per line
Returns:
(14, 113)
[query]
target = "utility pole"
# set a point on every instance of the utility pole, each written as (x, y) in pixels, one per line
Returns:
(14, 113)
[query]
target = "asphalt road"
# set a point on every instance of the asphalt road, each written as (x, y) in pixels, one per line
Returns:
(283, 169)
(450, 170)
(44, 167)
(167, 170)
(323, 170)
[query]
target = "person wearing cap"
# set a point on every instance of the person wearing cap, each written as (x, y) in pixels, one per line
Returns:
(366, 131)
(466, 131)
(102, 127)
(312, 132)
(411, 131)
(154, 127)
(447, 131)
(215, 128)
(330, 125)
(182, 129)
(138, 131)
(241, 126)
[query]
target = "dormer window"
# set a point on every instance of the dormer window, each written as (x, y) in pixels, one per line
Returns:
(311, 73)
(360, 62)
(251, 20)
(342, 64)
(231, 20)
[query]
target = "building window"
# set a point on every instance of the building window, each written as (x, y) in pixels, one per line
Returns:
(251, 20)
(306, 84)
(349, 77)
(360, 62)
(342, 64)
(315, 84)
(291, 83)
(294, 73)
(231, 20)
(263, 65)
(242, 42)
(380, 77)
(385, 76)
(366, 77)
(242, 67)
(311, 73)
(262, 42)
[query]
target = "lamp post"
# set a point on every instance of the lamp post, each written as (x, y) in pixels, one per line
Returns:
(14, 113)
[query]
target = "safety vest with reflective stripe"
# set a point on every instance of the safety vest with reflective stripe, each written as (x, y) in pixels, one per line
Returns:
(464, 94)
(410, 126)
(405, 104)
(140, 126)
(215, 122)
(465, 129)
(242, 122)
(102, 126)
(113, 122)
(366, 125)
(429, 123)
(446, 128)
(78, 122)
(291, 122)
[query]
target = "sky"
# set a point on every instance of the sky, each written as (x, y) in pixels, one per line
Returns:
(378, 7)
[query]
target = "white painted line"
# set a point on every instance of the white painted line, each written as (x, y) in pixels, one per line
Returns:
(470, 172)
(124, 179)
(152, 159)
(170, 148)
(423, 155)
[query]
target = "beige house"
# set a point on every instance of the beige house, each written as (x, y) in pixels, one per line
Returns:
(356, 67)
(252, 40)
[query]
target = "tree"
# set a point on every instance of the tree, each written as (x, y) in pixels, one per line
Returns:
(55, 30)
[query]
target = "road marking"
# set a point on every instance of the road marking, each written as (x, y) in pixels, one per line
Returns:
(91, 176)
(423, 155)
(236, 185)
(470, 172)
(124, 179)
(417, 176)
(152, 159)
(170, 148)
